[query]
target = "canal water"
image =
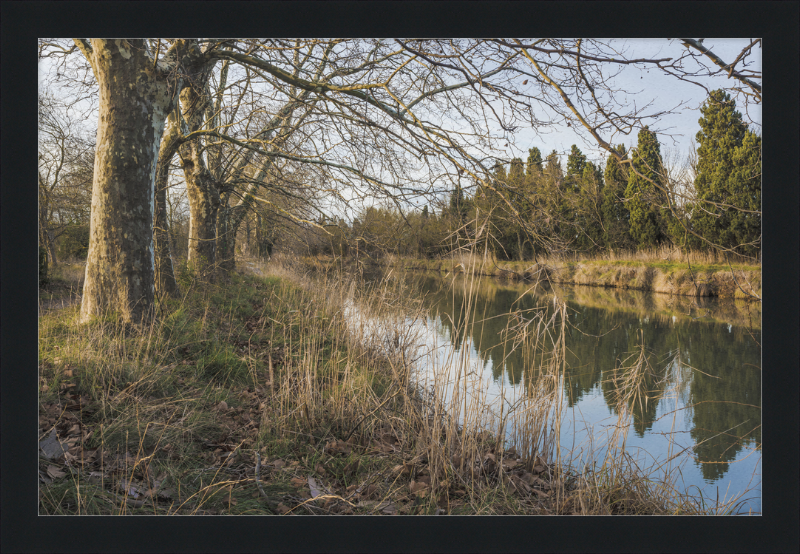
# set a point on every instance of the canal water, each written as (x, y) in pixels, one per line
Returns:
(701, 414)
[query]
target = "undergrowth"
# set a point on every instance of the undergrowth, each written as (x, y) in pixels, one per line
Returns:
(271, 392)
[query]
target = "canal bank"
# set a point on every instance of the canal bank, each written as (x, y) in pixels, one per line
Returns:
(682, 279)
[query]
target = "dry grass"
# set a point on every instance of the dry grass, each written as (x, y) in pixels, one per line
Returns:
(664, 271)
(276, 391)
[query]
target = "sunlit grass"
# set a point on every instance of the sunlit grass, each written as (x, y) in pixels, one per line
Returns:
(316, 377)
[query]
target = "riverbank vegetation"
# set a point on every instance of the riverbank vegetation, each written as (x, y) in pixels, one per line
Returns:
(660, 271)
(256, 395)
(191, 363)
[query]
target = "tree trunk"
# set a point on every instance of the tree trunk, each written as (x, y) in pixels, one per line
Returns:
(229, 221)
(51, 247)
(204, 199)
(46, 238)
(226, 240)
(134, 103)
(166, 284)
(246, 246)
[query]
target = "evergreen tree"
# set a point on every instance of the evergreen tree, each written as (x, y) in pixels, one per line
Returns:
(553, 167)
(575, 163)
(516, 173)
(645, 201)
(616, 218)
(500, 172)
(728, 171)
(534, 162)
(588, 217)
(425, 212)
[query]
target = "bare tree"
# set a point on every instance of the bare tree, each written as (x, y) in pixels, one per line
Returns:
(298, 126)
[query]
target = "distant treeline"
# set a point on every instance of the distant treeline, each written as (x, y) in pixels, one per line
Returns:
(538, 207)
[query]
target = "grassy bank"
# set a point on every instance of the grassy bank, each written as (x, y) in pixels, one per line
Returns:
(646, 273)
(255, 395)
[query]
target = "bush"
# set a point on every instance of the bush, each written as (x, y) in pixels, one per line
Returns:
(74, 242)
(43, 280)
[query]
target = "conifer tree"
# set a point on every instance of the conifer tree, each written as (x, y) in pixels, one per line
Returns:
(458, 206)
(516, 173)
(588, 218)
(553, 167)
(616, 218)
(575, 163)
(729, 172)
(534, 163)
(646, 202)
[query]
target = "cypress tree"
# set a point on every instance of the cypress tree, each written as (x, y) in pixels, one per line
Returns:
(576, 162)
(534, 162)
(616, 218)
(516, 173)
(645, 201)
(728, 171)
(589, 217)
(458, 207)
(553, 167)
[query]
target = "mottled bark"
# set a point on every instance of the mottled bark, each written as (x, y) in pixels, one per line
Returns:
(134, 102)
(201, 188)
(229, 220)
(166, 284)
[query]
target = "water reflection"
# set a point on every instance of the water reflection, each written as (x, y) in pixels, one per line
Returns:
(705, 351)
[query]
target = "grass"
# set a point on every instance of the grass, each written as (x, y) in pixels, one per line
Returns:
(660, 270)
(275, 392)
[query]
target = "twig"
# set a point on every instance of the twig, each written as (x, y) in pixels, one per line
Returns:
(353, 430)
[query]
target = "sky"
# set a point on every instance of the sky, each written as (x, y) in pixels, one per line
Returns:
(675, 131)
(665, 91)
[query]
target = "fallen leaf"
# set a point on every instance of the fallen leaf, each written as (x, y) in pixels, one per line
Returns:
(222, 406)
(389, 509)
(55, 472)
(416, 486)
(312, 484)
(319, 469)
(298, 482)
(282, 508)
(538, 468)
(528, 478)
(278, 464)
(68, 373)
(51, 448)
